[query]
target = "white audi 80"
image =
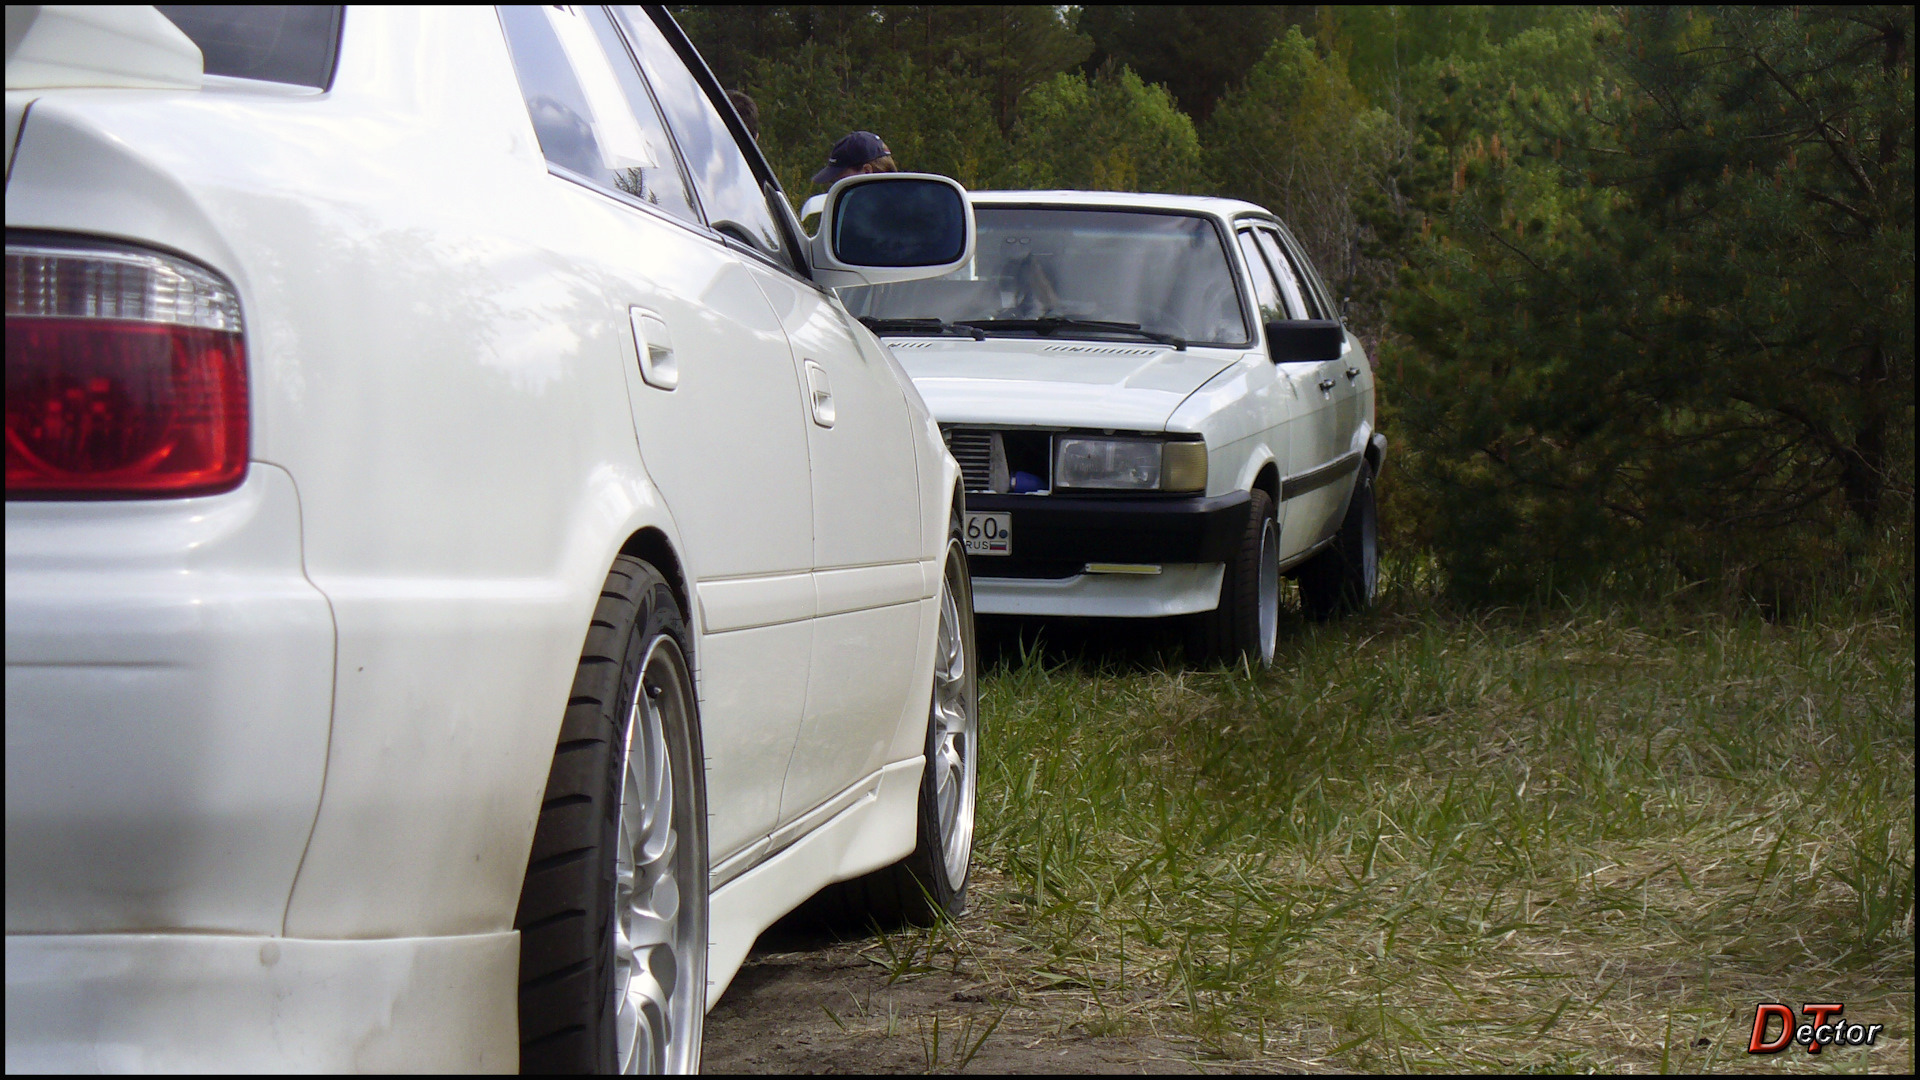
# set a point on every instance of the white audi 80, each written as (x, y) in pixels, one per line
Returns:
(1157, 409)
(466, 572)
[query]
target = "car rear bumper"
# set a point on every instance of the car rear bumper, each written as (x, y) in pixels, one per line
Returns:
(1075, 530)
(169, 693)
(246, 1003)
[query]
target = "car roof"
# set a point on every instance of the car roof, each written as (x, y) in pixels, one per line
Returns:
(1128, 200)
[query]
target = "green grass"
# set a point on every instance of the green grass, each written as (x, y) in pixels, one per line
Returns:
(1591, 837)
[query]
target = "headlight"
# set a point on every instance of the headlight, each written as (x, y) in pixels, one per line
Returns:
(1130, 464)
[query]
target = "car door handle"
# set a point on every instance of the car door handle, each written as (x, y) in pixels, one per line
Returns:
(820, 393)
(1326, 386)
(1353, 373)
(658, 366)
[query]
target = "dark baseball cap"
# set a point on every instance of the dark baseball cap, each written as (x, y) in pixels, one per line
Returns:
(849, 154)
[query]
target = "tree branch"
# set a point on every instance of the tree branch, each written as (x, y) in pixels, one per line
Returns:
(1820, 125)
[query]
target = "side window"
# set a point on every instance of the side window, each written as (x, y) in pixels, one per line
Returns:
(1264, 292)
(294, 44)
(1317, 289)
(1290, 286)
(728, 189)
(590, 110)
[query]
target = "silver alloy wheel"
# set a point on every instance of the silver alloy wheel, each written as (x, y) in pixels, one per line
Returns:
(956, 723)
(1269, 597)
(659, 922)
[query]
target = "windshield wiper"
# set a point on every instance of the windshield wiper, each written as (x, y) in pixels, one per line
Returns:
(921, 326)
(1051, 323)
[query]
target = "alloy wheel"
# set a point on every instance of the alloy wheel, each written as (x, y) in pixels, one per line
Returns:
(659, 923)
(956, 721)
(1269, 585)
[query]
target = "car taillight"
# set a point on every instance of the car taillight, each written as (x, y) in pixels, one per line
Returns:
(126, 375)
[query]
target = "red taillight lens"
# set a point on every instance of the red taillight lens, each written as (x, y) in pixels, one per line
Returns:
(126, 376)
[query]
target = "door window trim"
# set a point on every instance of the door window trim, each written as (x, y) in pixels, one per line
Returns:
(1290, 282)
(1304, 270)
(703, 77)
(1308, 273)
(1287, 297)
(1244, 238)
(626, 199)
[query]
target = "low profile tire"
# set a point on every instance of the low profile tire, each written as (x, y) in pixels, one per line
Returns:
(1345, 576)
(1247, 620)
(613, 912)
(931, 883)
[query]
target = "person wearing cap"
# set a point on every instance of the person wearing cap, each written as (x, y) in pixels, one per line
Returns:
(859, 152)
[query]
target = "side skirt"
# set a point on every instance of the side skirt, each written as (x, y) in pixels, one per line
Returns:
(877, 830)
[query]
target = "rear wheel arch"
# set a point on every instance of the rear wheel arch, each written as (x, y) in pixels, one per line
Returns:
(1375, 452)
(651, 546)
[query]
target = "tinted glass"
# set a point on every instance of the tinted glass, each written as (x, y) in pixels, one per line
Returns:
(1266, 294)
(661, 184)
(900, 223)
(294, 44)
(589, 109)
(1317, 290)
(1285, 254)
(1167, 272)
(728, 190)
(1290, 286)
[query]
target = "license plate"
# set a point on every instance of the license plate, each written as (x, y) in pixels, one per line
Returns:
(989, 534)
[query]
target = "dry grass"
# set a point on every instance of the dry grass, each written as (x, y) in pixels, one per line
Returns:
(1586, 841)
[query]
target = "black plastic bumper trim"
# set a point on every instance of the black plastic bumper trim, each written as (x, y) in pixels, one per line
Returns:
(1085, 529)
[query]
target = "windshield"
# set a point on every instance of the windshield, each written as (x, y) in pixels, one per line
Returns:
(1167, 273)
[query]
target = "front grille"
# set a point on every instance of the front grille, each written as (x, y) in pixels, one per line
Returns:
(974, 451)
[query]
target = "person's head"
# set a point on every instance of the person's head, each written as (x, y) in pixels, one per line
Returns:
(860, 152)
(749, 112)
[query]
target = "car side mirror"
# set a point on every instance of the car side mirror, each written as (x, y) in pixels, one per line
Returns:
(810, 210)
(881, 227)
(1294, 340)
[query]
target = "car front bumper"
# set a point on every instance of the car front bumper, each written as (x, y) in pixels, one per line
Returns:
(253, 1003)
(1177, 546)
(1178, 589)
(1070, 531)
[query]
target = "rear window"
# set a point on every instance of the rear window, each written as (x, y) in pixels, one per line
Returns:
(293, 44)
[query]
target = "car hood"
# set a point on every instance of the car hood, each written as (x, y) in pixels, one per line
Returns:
(1119, 385)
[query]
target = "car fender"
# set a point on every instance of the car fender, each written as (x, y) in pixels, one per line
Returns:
(941, 492)
(1253, 456)
(1241, 412)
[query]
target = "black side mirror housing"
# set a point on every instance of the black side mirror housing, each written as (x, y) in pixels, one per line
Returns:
(1295, 340)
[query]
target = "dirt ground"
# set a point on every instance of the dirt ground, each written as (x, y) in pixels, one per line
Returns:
(807, 1002)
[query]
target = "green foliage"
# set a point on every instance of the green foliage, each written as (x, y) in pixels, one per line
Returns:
(1298, 139)
(1108, 133)
(1393, 49)
(932, 119)
(1200, 53)
(1663, 319)
(1005, 49)
(1639, 282)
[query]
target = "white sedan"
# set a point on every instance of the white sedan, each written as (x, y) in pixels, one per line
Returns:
(1157, 410)
(466, 573)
